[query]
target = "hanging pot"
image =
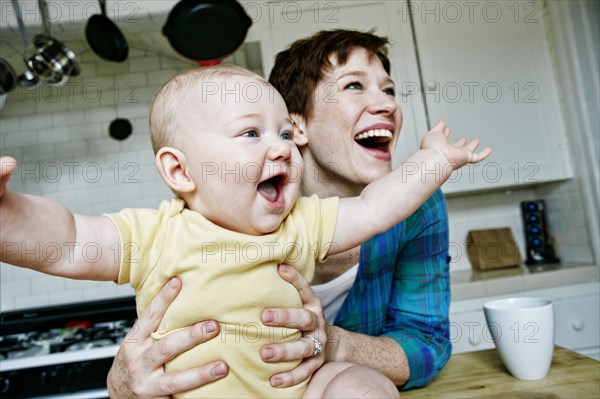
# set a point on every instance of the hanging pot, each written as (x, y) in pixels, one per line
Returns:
(50, 60)
(105, 38)
(207, 31)
(27, 79)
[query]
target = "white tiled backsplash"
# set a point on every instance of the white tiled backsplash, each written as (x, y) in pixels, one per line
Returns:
(60, 138)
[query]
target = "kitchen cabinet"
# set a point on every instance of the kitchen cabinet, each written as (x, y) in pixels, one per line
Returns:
(487, 71)
(576, 315)
(577, 324)
(484, 67)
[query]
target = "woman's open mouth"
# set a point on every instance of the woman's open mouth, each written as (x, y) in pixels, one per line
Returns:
(376, 141)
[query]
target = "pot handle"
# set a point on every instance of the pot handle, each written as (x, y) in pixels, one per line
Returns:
(21, 23)
(44, 13)
(102, 7)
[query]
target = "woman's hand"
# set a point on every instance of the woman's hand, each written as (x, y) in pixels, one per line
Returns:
(138, 372)
(309, 320)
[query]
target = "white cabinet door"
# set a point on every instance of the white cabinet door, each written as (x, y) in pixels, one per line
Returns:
(578, 323)
(469, 332)
(487, 71)
(295, 20)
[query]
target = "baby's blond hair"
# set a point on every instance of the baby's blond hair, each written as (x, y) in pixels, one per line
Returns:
(164, 110)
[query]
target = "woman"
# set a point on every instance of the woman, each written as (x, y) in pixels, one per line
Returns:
(388, 300)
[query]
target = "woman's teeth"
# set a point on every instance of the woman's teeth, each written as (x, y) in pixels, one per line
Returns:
(374, 133)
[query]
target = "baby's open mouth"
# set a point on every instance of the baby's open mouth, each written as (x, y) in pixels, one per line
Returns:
(272, 187)
(376, 139)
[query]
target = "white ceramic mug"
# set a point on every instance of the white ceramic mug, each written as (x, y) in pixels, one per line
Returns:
(523, 332)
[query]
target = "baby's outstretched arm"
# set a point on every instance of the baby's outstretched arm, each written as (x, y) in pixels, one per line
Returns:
(43, 235)
(394, 197)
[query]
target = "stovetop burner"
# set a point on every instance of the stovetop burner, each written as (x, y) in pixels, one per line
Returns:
(83, 336)
(17, 345)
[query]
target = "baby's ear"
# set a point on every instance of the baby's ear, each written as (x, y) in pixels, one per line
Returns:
(172, 166)
(300, 137)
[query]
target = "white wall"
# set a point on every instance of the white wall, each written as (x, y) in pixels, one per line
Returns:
(575, 33)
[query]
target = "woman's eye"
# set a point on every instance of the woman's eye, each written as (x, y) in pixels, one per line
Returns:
(287, 136)
(250, 133)
(353, 86)
(390, 91)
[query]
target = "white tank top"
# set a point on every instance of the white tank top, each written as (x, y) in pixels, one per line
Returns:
(333, 293)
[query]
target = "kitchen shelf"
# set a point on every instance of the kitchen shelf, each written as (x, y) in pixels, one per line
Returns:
(469, 284)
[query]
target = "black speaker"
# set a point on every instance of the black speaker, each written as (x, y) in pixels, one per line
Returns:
(539, 249)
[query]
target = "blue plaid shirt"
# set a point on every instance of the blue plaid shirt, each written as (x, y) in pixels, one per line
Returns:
(402, 290)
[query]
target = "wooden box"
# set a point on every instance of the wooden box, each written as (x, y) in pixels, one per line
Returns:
(493, 249)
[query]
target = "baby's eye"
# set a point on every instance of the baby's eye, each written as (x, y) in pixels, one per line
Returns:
(250, 133)
(353, 86)
(287, 135)
(390, 91)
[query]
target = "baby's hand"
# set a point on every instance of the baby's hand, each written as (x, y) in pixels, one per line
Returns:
(7, 167)
(459, 153)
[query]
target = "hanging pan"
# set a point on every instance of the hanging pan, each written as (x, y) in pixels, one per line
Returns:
(207, 30)
(8, 80)
(105, 38)
(8, 77)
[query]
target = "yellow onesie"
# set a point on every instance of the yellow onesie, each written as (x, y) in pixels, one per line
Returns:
(227, 276)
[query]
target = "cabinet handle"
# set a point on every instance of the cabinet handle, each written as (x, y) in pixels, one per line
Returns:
(577, 325)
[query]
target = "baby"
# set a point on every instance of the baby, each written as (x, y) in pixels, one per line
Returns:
(223, 140)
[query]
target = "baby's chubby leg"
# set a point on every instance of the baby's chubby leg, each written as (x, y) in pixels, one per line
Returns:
(348, 380)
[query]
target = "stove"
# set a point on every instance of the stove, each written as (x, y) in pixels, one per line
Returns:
(62, 351)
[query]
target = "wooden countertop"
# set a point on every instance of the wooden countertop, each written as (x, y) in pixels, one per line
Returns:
(483, 375)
